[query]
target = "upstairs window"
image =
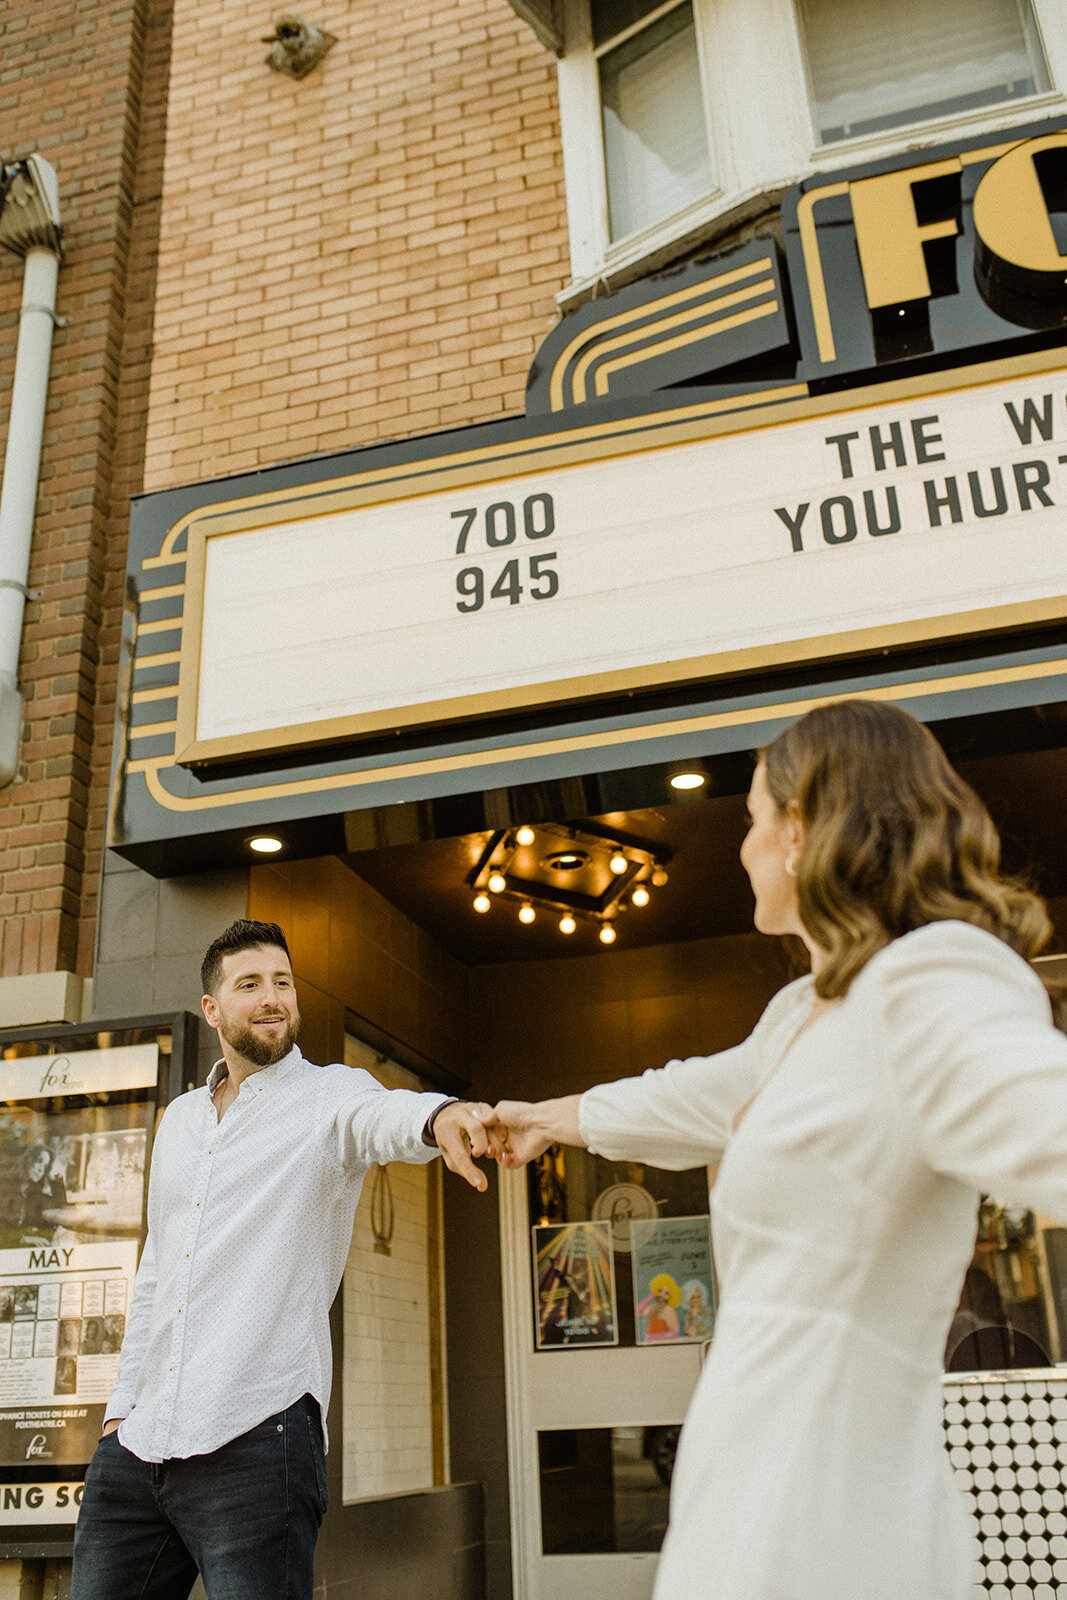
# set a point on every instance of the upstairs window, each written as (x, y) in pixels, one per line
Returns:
(875, 66)
(655, 130)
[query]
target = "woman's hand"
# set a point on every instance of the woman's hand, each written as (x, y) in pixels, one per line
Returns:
(521, 1130)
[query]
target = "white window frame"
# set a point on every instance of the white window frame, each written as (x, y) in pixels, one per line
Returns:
(751, 56)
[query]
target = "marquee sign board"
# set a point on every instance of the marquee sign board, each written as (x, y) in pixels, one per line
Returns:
(903, 520)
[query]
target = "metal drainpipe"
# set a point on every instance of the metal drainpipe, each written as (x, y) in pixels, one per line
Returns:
(22, 458)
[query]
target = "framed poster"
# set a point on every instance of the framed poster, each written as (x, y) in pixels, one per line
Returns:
(674, 1286)
(78, 1109)
(574, 1286)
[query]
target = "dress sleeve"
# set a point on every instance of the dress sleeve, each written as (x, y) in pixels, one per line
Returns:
(682, 1115)
(979, 1068)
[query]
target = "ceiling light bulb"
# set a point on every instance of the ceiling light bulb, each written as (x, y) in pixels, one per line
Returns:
(526, 913)
(659, 877)
(265, 844)
(607, 934)
(482, 901)
(525, 835)
(640, 896)
(688, 780)
(497, 882)
(619, 862)
(567, 923)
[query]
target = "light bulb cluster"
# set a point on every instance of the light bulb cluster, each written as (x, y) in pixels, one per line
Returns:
(501, 875)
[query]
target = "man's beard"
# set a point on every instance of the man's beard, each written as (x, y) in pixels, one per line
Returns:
(262, 1050)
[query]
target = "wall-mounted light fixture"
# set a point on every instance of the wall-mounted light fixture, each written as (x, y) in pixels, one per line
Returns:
(296, 46)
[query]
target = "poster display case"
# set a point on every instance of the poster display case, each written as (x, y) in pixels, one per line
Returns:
(79, 1106)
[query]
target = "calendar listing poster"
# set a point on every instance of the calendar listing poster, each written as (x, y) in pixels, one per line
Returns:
(73, 1146)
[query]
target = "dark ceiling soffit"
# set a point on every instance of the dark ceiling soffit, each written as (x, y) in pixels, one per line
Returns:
(545, 18)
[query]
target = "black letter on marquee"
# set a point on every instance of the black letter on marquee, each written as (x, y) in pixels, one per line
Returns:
(980, 507)
(827, 512)
(793, 523)
(1031, 478)
(880, 448)
(874, 528)
(1031, 419)
(842, 442)
(950, 500)
(924, 440)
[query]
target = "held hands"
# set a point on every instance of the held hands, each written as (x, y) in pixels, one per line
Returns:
(510, 1133)
(459, 1130)
(518, 1132)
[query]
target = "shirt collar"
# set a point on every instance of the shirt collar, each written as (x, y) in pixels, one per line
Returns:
(259, 1080)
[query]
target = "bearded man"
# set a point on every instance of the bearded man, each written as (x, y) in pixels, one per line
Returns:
(212, 1457)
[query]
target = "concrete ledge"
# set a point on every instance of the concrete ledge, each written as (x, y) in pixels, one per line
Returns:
(44, 997)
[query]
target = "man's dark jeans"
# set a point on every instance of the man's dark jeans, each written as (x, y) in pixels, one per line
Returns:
(246, 1516)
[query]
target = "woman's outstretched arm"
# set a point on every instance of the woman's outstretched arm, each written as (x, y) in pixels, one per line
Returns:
(526, 1128)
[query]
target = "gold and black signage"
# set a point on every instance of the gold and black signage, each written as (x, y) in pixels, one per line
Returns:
(956, 253)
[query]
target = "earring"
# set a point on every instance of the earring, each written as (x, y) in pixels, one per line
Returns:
(791, 866)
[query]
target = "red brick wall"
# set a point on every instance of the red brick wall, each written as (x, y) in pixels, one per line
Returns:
(76, 83)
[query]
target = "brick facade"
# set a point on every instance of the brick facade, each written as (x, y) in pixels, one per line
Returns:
(257, 268)
(82, 85)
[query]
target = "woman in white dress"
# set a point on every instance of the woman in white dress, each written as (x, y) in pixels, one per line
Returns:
(916, 1068)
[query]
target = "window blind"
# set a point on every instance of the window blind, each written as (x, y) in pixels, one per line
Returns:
(877, 64)
(655, 143)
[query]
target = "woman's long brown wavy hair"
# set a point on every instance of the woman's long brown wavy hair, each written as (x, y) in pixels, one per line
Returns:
(895, 838)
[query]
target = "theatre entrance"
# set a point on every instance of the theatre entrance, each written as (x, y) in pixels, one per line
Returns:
(579, 1306)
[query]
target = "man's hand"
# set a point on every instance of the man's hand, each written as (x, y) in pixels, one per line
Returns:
(112, 1425)
(461, 1136)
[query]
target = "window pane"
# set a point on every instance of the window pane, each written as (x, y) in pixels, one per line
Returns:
(605, 1489)
(655, 143)
(1013, 1308)
(612, 16)
(875, 64)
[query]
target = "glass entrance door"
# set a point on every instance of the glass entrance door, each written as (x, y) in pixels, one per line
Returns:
(609, 1304)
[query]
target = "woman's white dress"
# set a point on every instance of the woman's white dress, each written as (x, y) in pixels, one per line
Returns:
(811, 1465)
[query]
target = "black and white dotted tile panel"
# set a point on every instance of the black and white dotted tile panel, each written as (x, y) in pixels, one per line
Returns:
(1007, 1439)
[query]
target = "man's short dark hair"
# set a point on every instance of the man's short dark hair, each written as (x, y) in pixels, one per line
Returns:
(240, 935)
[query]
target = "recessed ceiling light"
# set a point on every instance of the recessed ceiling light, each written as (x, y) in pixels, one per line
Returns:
(265, 844)
(566, 860)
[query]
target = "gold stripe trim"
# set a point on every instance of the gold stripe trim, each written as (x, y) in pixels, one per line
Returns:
(605, 372)
(167, 659)
(153, 767)
(152, 730)
(168, 691)
(710, 324)
(170, 592)
(162, 625)
(809, 243)
(680, 296)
